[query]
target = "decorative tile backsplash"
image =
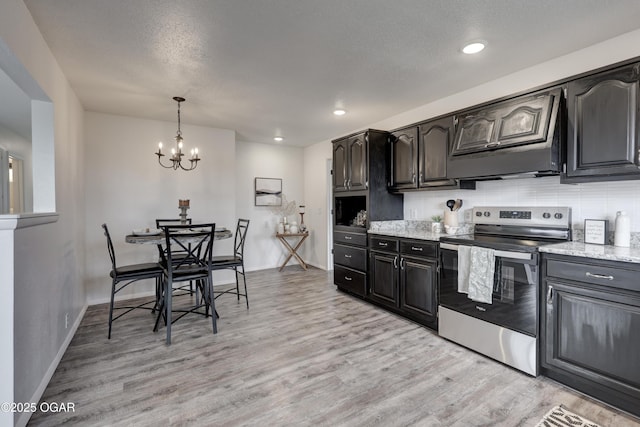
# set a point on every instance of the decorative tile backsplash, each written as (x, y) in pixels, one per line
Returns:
(599, 200)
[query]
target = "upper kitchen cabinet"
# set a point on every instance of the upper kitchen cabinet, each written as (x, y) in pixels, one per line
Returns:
(403, 146)
(603, 126)
(518, 136)
(350, 159)
(524, 120)
(419, 156)
(360, 169)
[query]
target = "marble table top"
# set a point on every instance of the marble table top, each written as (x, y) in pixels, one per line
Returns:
(158, 239)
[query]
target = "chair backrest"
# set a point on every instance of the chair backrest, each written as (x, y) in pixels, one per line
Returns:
(112, 253)
(170, 221)
(241, 234)
(193, 242)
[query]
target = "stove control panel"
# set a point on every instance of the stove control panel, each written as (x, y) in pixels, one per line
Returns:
(529, 216)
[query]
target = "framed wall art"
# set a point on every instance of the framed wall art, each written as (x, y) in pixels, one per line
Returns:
(595, 231)
(268, 191)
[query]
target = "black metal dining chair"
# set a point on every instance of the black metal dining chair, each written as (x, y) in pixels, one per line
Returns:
(178, 255)
(124, 275)
(235, 262)
(194, 246)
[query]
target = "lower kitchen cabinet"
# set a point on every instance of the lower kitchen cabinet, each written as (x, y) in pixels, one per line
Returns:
(590, 338)
(403, 277)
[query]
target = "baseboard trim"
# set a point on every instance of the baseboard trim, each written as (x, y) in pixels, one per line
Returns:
(37, 395)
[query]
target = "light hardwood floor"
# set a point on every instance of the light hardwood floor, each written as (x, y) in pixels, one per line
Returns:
(304, 354)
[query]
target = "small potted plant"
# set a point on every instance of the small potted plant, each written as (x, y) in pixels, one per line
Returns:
(436, 224)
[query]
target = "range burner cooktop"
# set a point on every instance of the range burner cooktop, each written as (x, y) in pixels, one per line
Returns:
(517, 228)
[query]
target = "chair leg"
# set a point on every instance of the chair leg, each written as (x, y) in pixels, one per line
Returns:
(246, 294)
(235, 270)
(212, 302)
(113, 294)
(168, 290)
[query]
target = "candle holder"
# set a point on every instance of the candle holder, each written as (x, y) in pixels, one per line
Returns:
(183, 205)
(301, 210)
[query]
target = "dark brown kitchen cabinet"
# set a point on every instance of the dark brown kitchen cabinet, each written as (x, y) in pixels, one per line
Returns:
(350, 163)
(590, 339)
(350, 262)
(403, 146)
(519, 121)
(403, 277)
(419, 156)
(604, 126)
(383, 271)
(360, 170)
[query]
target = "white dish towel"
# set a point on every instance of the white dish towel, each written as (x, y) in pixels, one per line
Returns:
(464, 264)
(481, 272)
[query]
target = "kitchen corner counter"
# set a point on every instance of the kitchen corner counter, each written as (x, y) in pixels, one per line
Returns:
(585, 250)
(410, 234)
(413, 229)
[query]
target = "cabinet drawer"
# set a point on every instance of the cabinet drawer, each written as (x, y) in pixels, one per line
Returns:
(419, 248)
(387, 244)
(359, 239)
(594, 273)
(350, 280)
(349, 256)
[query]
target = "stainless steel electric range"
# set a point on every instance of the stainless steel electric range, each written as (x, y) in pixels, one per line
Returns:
(503, 322)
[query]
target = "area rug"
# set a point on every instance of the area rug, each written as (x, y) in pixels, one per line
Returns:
(561, 417)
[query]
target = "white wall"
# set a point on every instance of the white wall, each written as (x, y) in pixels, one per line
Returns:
(49, 259)
(316, 184)
(262, 249)
(127, 189)
(588, 200)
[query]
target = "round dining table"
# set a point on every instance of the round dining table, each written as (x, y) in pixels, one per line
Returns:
(157, 238)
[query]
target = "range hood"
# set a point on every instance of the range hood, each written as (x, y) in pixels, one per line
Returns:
(517, 138)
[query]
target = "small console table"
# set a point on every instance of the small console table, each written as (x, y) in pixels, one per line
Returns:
(293, 250)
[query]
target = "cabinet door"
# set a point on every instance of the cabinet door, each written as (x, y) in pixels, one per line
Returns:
(593, 333)
(418, 288)
(474, 133)
(404, 155)
(433, 149)
(357, 170)
(602, 134)
(520, 121)
(384, 278)
(340, 163)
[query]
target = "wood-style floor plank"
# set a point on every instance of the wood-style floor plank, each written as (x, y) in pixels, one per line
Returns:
(304, 354)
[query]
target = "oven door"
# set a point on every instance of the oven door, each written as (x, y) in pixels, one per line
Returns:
(515, 289)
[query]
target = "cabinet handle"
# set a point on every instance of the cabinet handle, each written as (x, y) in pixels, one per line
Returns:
(403, 262)
(347, 256)
(347, 278)
(492, 144)
(344, 183)
(366, 184)
(413, 177)
(383, 244)
(550, 295)
(598, 276)
(413, 248)
(395, 262)
(348, 237)
(349, 182)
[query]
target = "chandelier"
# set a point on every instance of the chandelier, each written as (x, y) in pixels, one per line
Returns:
(176, 153)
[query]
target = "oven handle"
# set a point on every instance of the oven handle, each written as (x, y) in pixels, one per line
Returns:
(501, 254)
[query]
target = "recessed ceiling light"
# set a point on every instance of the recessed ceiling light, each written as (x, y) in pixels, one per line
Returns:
(278, 138)
(474, 47)
(339, 112)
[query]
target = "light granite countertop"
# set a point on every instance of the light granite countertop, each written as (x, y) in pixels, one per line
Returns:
(410, 234)
(586, 250)
(412, 229)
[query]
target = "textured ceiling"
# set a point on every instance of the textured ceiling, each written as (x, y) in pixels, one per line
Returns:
(267, 67)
